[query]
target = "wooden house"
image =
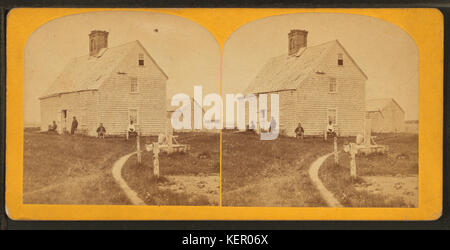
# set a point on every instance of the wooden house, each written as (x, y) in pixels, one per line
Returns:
(316, 84)
(112, 86)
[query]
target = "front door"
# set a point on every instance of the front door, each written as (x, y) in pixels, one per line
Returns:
(63, 126)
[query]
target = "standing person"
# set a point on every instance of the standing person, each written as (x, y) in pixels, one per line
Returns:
(273, 125)
(101, 131)
(74, 125)
(299, 131)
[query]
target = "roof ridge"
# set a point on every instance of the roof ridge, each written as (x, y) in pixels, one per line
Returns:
(115, 47)
(65, 82)
(308, 47)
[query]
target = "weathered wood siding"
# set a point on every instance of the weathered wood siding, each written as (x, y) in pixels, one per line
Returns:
(115, 98)
(287, 111)
(390, 119)
(79, 104)
(314, 98)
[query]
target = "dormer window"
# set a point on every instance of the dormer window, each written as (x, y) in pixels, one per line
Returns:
(141, 59)
(333, 85)
(340, 59)
(134, 85)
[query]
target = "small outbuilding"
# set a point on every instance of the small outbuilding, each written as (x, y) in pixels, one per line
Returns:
(386, 115)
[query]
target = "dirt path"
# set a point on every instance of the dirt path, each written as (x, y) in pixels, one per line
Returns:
(206, 185)
(405, 187)
(314, 175)
(117, 174)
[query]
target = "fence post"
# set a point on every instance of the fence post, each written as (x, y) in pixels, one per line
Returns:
(336, 156)
(353, 151)
(156, 160)
(138, 148)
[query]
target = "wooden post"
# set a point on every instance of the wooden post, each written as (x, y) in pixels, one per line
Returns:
(325, 134)
(336, 156)
(156, 160)
(353, 151)
(138, 148)
(367, 131)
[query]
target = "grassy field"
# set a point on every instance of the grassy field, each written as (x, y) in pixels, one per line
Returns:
(269, 173)
(71, 169)
(77, 170)
(401, 161)
(200, 161)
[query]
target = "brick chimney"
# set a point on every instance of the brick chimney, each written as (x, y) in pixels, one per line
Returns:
(297, 40)
(98, 40)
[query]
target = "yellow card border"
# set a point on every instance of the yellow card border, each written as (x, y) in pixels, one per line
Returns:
(425, 26)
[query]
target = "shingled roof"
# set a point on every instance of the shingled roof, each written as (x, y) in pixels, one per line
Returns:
(377, 105)
(89, 72)
(287, 72)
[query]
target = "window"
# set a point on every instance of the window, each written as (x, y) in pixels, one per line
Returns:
(92, 45)
(134, 85)
(83, 116)
(340, 59)
(133, 116)
(332, 116)
(333, 85)
(141, 59)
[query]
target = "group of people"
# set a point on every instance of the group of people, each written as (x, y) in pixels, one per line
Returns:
(299, 131)
(101, 130)
(53, 127)
(131, 130)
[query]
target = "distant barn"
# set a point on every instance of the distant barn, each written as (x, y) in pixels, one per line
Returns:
(112, 86)
(316, 85)
(412, 126)
(386, 115)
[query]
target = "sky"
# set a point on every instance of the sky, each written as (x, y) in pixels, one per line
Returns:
(384, 51)
(190, 55)
(185, 50)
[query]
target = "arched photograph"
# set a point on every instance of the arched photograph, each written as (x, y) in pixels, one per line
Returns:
(98, 105)
(338, 95)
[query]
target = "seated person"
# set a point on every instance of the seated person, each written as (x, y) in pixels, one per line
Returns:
(131, 130)
(53, 127)
(299, 131)
(330, 129)
(252, 126)
(101, 131)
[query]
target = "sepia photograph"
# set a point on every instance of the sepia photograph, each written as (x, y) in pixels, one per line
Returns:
(224, 114)
(339, 94)
(98, 104)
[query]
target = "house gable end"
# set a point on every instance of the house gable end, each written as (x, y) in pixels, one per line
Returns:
(395, 103)
(153, 60)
